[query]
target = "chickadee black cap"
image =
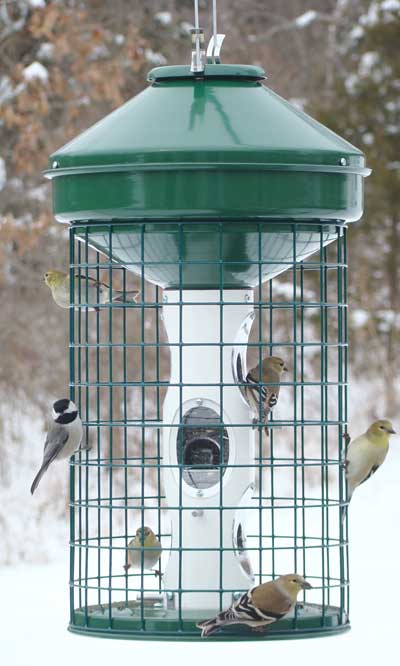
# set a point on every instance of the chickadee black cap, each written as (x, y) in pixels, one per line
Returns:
(61, 405)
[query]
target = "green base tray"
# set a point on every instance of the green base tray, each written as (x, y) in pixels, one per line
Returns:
(161, 624)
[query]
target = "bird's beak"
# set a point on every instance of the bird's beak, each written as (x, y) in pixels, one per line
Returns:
(285, 369)
(392, 432)
(306, 586)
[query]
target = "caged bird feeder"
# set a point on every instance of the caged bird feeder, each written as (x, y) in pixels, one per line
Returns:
(228, 207)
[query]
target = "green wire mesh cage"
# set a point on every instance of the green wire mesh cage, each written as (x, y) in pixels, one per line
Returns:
(174, 445)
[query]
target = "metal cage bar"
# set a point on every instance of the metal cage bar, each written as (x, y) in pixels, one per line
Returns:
(119, 377)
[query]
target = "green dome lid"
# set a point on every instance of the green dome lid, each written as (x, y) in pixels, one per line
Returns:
(216, 146)
(211, 71)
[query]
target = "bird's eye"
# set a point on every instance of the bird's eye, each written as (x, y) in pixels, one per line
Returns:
(381, 428)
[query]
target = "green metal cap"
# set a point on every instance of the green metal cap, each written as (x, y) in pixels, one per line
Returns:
(250, 72)
(216, 146)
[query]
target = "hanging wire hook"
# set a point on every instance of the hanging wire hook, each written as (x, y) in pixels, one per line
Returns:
(214, 46)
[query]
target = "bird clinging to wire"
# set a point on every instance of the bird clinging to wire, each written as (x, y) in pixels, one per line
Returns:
(63, 438)
(262, 397)
(144, 550)
(96, 292)
(260, 606)
(365, 454)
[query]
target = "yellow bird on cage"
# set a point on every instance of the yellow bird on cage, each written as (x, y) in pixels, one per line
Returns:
(365, 454)
(144, 550)
(260, 606)
(86, 290)
(255, 393)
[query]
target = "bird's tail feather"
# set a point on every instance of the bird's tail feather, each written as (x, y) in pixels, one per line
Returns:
(239, 369)
(37, 478)
(345, 509)
(209, 627)
(125, 296)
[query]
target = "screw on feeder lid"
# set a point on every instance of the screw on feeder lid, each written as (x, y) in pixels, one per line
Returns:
(198, 54)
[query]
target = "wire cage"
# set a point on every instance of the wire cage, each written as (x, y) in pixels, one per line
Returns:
(160, 384)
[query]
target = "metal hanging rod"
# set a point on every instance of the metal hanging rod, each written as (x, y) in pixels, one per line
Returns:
(198, 61)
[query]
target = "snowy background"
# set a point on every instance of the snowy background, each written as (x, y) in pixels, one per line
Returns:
(34, 610)
(61, 69)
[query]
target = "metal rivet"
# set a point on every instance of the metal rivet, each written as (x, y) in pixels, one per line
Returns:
(199, 401)
(198, 514)
(247, 298)
(165, 298)
(170, 596)
(199, 493)
(54, 165)
(343, 161)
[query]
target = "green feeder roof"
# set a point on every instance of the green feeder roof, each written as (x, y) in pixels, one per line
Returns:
(216, 146)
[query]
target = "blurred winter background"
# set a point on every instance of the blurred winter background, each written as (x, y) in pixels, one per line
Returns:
(63, 66)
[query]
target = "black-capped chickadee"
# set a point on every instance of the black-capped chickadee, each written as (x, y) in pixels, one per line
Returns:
(64, 436)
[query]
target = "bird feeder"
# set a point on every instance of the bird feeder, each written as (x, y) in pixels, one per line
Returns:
(229, 208)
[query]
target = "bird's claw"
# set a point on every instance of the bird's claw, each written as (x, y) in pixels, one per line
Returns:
(346, 438)
(88, 447)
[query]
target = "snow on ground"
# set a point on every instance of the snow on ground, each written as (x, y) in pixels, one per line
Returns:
(165, 18)
(34, 608)
(305, 19)
(36, 71)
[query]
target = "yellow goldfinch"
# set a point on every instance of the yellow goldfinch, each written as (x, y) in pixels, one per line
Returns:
(272, 369)
(96, 292)
(144, 547)
(366, 453)
(260, 606)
